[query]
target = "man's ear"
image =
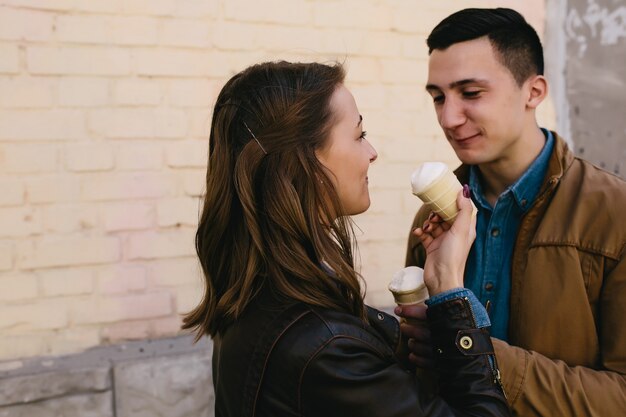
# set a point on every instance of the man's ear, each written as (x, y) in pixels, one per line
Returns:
(537, 88)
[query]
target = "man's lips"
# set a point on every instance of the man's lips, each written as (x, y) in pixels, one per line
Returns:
(466, 138)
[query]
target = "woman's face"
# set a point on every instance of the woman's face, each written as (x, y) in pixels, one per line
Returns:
(347, 154)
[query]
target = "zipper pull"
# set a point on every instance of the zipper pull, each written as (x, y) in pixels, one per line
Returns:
(498, 380)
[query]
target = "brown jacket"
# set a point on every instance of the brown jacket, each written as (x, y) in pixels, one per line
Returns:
(567, 329)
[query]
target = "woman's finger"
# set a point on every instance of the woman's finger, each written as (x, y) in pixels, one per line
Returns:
(424, 237)
(463, 219)
(437, 230)
(437, 220)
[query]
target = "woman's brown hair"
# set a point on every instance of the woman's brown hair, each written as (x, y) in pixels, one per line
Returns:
(271, 217)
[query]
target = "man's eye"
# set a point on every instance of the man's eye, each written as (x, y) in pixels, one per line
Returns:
(471, 94)
(438, 99)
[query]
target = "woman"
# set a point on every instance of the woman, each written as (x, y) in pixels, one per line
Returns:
(288, 164)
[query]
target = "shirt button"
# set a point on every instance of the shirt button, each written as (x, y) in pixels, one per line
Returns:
(524, 202)
(489, 286)
(495, 232)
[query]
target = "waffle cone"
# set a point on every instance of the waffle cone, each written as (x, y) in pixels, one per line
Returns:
(441, 196)
(414, 296)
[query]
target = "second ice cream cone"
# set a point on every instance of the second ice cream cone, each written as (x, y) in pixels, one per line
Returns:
(414, 296)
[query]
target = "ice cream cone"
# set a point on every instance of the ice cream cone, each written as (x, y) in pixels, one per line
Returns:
(407, 286)
(438, 188)
(441, 195)
(415, 296)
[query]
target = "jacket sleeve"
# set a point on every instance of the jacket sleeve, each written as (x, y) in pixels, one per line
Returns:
(415, 253)
(349, 376)
(537, 385)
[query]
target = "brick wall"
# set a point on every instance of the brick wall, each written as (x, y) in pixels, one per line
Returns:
(104, 111)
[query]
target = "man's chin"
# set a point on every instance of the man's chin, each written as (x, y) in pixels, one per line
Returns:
(468, 157)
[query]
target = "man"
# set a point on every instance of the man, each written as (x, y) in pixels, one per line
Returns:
(549, 258)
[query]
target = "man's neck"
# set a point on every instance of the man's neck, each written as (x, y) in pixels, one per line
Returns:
(498, 175)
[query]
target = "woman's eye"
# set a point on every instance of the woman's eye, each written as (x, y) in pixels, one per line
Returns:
(363, 135)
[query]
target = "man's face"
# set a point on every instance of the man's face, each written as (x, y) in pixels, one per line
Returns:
(480, 107)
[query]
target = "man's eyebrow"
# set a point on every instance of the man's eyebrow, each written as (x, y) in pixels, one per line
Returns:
(360, 121)
(459, 83)
(468, 81)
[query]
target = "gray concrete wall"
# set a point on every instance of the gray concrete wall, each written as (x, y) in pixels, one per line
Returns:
(158, 378)
(586, 66)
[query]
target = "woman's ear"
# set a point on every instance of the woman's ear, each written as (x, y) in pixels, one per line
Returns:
(537, 87)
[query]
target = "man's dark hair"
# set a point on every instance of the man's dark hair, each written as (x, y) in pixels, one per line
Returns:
(513, 39)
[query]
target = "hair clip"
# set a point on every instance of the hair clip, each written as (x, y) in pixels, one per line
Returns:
(257, 141)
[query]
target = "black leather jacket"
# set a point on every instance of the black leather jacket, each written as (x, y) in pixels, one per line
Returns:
(307, 361)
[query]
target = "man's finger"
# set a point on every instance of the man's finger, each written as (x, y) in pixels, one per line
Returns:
(415, 311)
(421, 333)
(420, 349)
(424, 363)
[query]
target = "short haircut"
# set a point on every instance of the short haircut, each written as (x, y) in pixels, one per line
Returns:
(515, 42)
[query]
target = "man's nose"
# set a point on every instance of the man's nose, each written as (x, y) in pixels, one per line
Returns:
(451, 114)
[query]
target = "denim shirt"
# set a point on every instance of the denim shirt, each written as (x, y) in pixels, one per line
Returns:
(488, 269)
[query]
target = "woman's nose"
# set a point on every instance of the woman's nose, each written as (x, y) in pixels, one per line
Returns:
(373, 153)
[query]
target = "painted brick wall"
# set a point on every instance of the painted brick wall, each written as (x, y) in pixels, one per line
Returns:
(104, 111)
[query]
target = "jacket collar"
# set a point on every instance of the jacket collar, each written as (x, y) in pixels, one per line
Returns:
(560, 161)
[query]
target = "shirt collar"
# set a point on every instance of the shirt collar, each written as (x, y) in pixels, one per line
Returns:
(526, 188)
(477, 192)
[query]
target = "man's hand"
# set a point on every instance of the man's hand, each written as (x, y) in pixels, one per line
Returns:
(415, 328)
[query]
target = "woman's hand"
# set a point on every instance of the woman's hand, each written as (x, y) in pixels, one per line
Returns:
(447, 247)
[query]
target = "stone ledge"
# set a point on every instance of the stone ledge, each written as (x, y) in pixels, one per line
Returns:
(173, 386)
(154, 377)
(92, 405)
(105, 356)
(31, 388)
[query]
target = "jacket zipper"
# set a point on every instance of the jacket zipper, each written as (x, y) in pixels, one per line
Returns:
(491, 359)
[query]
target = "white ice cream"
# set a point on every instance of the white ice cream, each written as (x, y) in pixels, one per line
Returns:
(407, 279)
(425, 174)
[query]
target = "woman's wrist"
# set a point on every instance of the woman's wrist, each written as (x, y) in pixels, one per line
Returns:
(438, 286)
